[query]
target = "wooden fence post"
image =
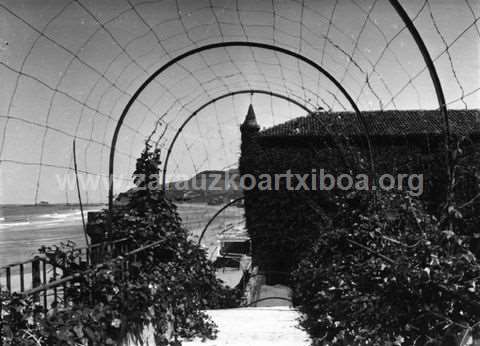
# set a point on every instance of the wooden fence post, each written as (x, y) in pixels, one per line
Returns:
(36, 278)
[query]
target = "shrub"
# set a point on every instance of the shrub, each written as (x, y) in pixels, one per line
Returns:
(166, 286)
(388, 274)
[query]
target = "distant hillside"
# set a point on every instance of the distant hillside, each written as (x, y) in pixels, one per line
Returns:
(213, 187)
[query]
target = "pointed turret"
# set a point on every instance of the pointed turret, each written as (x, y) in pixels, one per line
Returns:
(250, 122)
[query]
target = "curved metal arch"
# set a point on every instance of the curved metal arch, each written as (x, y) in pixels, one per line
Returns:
(428, 61)
(435, 80)
(223, 45)
(205, 105)
(264, 299)
(219, 211)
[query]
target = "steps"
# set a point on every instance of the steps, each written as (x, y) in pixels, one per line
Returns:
(259, 326)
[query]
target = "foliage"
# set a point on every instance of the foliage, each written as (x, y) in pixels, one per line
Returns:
(400, 271)
(165, 286)
(26, 323)
(278, 220)
(276, 232)
(464, 211)
(388, 274)
(66, 256)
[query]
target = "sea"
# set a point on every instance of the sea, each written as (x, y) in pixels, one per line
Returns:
(25, 228)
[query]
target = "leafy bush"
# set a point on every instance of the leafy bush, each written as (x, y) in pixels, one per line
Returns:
(166, 286)
(388, 274)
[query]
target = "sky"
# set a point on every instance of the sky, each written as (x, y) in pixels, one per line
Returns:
(68, 68)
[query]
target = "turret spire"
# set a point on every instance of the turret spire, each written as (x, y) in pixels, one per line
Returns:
(250, 121)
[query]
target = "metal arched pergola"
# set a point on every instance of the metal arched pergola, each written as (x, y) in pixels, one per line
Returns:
(224, 45)
(408, 23)
(206, 104)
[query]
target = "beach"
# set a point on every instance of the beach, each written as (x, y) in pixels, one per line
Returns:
(24, 229)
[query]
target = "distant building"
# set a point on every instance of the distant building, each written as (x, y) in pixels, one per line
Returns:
(283, 223)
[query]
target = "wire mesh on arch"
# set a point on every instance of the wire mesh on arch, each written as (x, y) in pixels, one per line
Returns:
(70, 67)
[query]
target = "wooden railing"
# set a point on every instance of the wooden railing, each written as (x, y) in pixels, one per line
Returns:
(55, 290)
(25, 276)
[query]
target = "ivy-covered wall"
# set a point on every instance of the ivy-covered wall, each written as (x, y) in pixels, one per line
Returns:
(283, 224)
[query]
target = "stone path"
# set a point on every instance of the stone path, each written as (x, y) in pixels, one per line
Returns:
(261, 326)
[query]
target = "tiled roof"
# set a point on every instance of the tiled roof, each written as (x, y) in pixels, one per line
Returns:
(380, 123)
